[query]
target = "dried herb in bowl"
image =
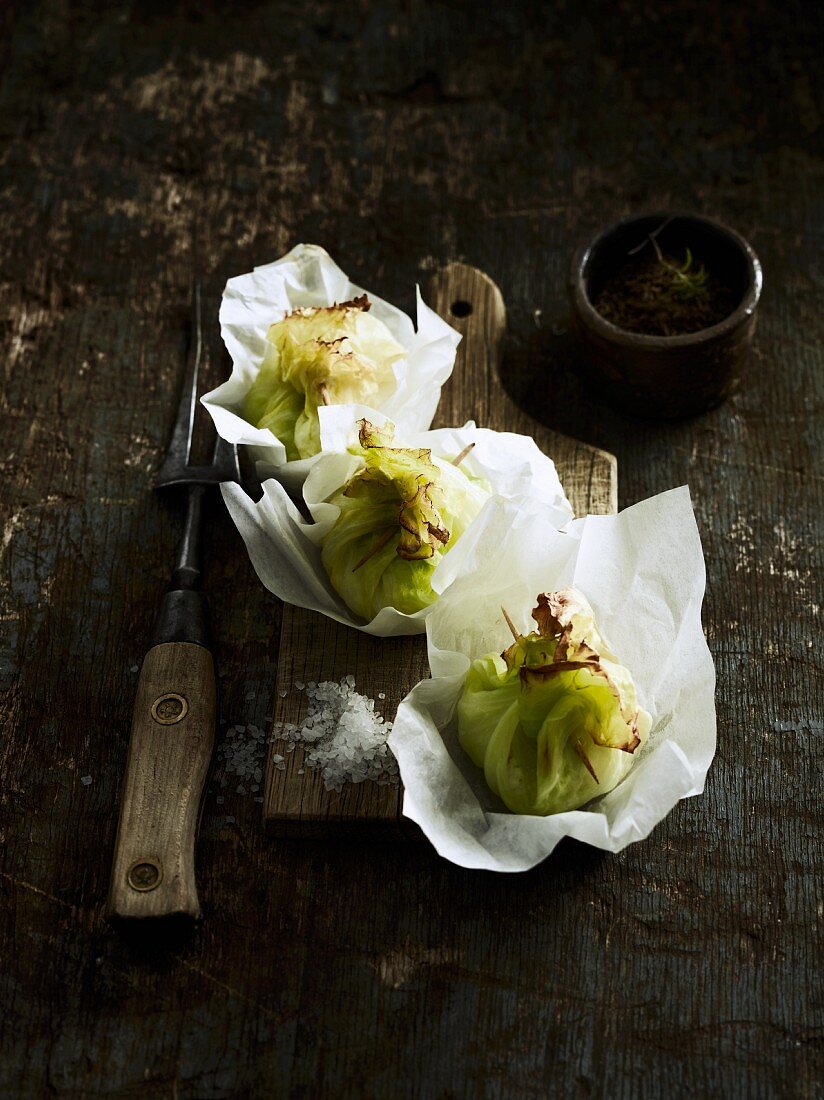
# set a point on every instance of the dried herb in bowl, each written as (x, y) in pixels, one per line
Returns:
(662, 294)
(663, 310)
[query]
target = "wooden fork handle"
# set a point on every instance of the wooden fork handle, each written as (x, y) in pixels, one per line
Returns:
(170, 749)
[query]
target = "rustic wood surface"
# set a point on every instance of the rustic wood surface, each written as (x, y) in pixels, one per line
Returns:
(144, 143)
(315, 648)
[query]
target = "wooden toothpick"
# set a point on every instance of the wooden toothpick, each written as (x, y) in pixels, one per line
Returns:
(379, 545)
(458, 459)
(511, 625)
(579, 748)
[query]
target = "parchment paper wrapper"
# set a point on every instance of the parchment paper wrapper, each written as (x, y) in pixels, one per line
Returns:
(285, 548)
(307, 276)
(643, 573)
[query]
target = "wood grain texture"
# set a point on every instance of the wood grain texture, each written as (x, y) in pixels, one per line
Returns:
(475, 392)
(170, 751)
(141, 144)
(314, 648)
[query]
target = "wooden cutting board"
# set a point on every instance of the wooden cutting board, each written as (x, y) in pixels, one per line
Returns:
(313, 647)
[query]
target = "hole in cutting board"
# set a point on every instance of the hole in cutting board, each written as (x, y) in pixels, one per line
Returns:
(461, 308)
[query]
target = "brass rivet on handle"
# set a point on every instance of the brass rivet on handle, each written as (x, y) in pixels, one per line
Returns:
(144, 875)
(169, 708)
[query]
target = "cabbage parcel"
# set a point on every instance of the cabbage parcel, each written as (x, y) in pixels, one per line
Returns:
(398, 516)
(321, 356)
(554, 721)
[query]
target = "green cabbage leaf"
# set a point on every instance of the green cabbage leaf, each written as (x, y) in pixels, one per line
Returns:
(554, 720)
(320, 356)
(399, 514)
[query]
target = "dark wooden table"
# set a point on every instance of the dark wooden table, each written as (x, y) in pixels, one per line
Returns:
(144, 143)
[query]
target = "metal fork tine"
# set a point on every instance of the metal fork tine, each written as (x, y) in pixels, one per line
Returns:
(225, 460)
(177, 456)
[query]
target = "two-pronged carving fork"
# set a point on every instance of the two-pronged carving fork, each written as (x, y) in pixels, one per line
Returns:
(173, 725)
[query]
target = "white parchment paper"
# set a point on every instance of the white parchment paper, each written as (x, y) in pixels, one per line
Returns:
(285, 548)
(643, 573)
(307, 276)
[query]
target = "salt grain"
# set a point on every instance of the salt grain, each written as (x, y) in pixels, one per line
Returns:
(342, 736)
(86, 780)
(242, 753)
(346, 738)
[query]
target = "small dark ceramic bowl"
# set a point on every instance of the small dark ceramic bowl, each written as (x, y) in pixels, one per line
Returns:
(665, 376)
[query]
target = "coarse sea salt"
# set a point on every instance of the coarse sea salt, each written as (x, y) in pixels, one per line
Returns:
(345, 739)
(241, 753)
